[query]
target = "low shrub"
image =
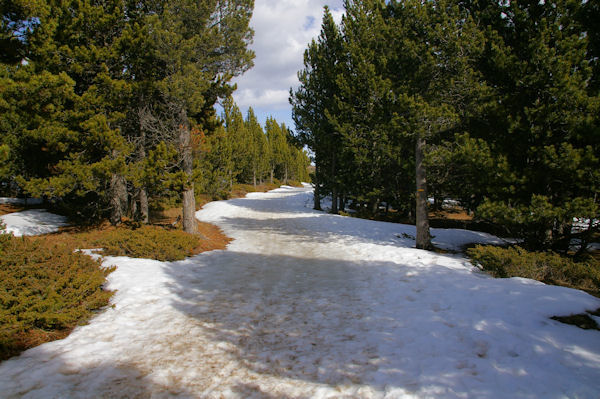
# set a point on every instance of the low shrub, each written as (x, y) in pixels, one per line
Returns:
(44, 288)
(547, 267)
(150, 242)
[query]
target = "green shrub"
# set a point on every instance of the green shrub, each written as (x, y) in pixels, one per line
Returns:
(150, 242)
(547, 267)
(45, 287)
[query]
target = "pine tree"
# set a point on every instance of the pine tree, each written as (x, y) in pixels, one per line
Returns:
(432, 67)
(258, 148)
(314, 100)
(545, 126)
(129, 76)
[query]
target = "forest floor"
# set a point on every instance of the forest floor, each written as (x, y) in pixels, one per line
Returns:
(304, 304)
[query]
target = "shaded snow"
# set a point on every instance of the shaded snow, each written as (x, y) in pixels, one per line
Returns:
(32, 222)
(21, 201)
(304, 304)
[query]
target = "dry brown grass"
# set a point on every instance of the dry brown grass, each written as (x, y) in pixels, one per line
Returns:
(10, 208)
(214, 238)
(455, 213)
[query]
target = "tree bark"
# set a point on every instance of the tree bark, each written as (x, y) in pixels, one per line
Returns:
(143, 198)
(188, 198)
(142, 193)
(423, 240)
(334, 201)
(254, 178)
(317, 191)
(118, 199)
(334, 191)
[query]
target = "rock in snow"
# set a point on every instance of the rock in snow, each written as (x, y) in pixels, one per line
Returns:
(304, 304)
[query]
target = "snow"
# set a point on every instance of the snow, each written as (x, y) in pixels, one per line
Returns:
(21, 201)
(304, 304)
(32, 222)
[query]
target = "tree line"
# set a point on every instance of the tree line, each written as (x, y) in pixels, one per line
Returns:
(107, 106)
(493, 104)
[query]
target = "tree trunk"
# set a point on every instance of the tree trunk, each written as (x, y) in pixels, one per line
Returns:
(423, 240)
(142, 195)
(342, 201)
(118, 199)
(286, 174)
(334, 201)
(334, 191)
(254, 178)
(189, 201)
(317, 192)
(143, 198)
(374, 207)
(272, 172)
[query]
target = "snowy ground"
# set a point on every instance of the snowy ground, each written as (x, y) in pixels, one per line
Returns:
(32, 222)
(309, 305)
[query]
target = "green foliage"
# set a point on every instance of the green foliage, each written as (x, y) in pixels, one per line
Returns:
(502, 96)
(540, 222)
(46, 287)
(4, 164)
(314, 102)
(547, 267)
(148, 242)
(105, 83)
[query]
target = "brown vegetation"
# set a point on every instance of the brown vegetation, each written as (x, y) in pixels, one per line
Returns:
(547, 267)
(10, 208)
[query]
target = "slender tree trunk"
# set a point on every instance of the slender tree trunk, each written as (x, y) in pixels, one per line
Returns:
(143, 198)
(133, 207)
(423, 236)
(142, 194)
(317, 191)
(118, 199)
(189, 201)
(342, 206)
(334, 191)
(254, 177)
(334, 200)
(286, 174)
(374, 205)
(272, 172)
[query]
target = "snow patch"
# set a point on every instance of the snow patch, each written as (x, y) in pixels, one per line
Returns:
(32, 222)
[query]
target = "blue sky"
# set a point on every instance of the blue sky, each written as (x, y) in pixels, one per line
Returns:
(282, 31)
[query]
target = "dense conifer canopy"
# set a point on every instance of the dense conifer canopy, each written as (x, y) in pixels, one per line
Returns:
(497, 101)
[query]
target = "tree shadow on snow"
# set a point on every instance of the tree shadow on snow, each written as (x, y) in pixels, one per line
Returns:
(335, 228)
(322, 322)
(40, 373)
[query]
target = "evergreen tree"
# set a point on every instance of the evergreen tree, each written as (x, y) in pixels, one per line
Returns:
(258, 148)
(314, 100)
(277, 146)
(128, 75)
(432, 67)
(545, 127)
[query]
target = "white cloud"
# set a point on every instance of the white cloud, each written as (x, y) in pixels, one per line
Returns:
(283, 29)
(262, 98)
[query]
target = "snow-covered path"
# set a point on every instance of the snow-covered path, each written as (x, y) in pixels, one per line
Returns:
(304, 304)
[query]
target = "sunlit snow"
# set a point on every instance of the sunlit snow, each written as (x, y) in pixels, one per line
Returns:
(304, 304)
(32, 222)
